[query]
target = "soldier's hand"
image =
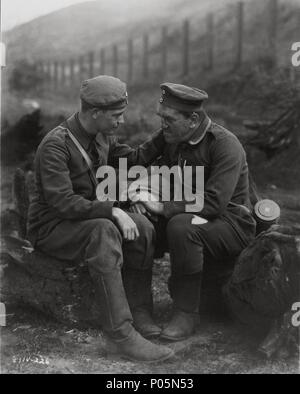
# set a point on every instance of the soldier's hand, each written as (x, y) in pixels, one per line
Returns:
(138, 208)
(154, 207)
(127, 226)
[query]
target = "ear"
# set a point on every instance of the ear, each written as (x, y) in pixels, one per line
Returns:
(95, 113)
(194, 120)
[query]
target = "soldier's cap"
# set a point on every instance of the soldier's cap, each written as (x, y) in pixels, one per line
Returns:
(104, 92)
(181, 97)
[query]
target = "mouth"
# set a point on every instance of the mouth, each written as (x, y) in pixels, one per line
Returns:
(111, 132)
(167, 134)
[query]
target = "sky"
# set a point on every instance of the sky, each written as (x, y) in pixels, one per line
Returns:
(14, 12)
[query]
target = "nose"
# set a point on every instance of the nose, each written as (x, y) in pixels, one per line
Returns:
(164, 124)
(121, 120)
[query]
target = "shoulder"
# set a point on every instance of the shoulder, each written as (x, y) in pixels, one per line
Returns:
(55, 140)
(57, 136)
(220, 132)
(222, 135)
(224, 140)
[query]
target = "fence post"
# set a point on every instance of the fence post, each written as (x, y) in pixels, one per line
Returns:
(130, 60)
(59, 78)
(71, 72)
(51, 76)
(55, 75)
(210, 41)
(273, 28)
(91, 64)
(81, 67)
(164, 51)
(146, 56)
(40, 67)
(45, 69)
(240, 34)
(63, 73)
(186, 47)
(115, 60)
(102, 61)
(41, 70)
(48, 74)
(51, 72)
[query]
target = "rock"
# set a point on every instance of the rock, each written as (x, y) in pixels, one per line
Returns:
(264, 286)
(46, 284)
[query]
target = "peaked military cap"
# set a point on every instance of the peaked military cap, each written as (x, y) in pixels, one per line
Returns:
(104, 92)
(181, 97)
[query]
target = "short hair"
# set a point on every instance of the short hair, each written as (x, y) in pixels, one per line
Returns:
(85, 107)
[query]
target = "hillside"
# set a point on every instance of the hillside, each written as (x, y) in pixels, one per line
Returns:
(77, 29)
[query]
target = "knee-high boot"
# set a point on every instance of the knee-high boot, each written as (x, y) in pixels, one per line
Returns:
(111, 298)
(137, 284)
(185, 292)
(122, 338)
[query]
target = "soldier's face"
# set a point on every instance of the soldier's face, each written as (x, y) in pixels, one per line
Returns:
(176, 127)
(107, 122)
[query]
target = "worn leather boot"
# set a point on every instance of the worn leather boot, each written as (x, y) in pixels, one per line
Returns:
(186, 296)
(137, 284)
(121, 336)
(181, 326)
(137, 348)
(116, 318)
(144, 324)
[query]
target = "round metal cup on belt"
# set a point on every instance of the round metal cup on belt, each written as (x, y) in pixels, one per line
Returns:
(267, 210)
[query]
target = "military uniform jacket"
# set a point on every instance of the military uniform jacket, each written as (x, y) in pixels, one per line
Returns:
(64, 186)
(226, 183)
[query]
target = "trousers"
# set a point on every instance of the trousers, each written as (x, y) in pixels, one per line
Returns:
(98, 243)
(194, 248)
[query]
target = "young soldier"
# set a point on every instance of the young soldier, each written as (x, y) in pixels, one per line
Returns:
(221, 227)
(66, 220)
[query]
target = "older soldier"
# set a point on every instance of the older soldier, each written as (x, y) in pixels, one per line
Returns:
(223, 226)
(68, 222)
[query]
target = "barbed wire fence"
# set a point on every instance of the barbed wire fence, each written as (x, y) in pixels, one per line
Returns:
(221, 41)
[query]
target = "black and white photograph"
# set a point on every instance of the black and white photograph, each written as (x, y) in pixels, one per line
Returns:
(150, 190)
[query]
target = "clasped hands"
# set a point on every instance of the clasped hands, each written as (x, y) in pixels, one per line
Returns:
(152, 209)
(144, 203)
(142, 206)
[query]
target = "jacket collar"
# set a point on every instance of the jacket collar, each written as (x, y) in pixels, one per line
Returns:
(79, 132)
(200, 133)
